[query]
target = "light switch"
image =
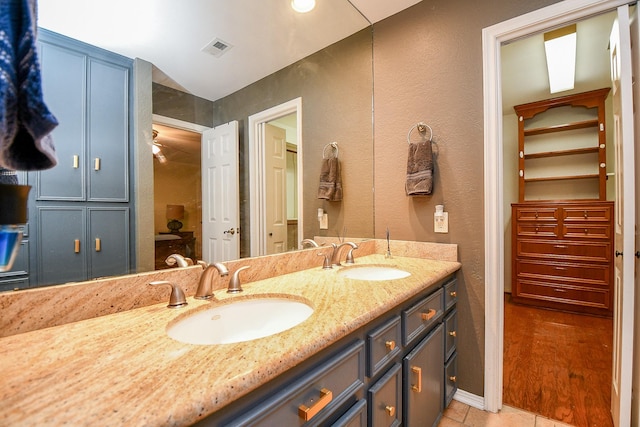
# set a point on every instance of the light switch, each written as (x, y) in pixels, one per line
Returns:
(324, 222)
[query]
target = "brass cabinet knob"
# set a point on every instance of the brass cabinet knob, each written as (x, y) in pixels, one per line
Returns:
(391, 410)
(390, 345)
(452, 378)
(452, 333)
(453, 294)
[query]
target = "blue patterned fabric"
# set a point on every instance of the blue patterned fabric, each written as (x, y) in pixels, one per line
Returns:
(25, 120)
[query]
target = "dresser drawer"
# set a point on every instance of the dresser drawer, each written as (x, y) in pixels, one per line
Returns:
(450, 294)
(586, 231)
(560, 250)
(420, 317)
(537, 229)
(356, 416)
(383, 344)
(563, 293)
(587, 213)
(451, 379)
(385, 399)
(579, 273)
(450, 334)
(532, 213)
(312, 398)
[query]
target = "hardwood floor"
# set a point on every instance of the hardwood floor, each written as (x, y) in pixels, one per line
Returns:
(558, 364)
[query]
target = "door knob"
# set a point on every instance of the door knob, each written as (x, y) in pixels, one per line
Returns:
(618, 253)
(230, 231)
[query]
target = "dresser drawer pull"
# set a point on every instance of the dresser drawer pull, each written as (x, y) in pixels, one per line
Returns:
(586, 231)
(536, 214)
(453, 294)
(429, 314)
(391, 410)
(417, 387)
(306, 412)
(560, 246)
(390, 345)
(76, 161)
(537, 229)
(560, 290)
(585, 214)
(76, 246)
(453, 333)
(560, 268)
(452, 378)
(96, 164)
(98, 244)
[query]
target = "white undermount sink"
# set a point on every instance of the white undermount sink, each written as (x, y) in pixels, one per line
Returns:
(240, 320)
(373, 272)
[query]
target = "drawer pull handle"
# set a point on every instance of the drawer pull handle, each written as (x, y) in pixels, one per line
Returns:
(96, 164)
(586, 231)
(453, 294)
(76, 246)
(429, 315)
(98, 244)
(76, 161)
(391, 410)
(306, 412)
(560, 268)
(417, 387)
(453, 333)
(390, 345)
(537, 229)
(560, 246)
(452, 378)
(560, 290)
(585, 214)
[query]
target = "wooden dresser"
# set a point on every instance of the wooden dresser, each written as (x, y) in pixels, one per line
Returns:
(562, 255)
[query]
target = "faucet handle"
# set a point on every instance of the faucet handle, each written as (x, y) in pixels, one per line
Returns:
(350, 259)
(326, 265)
(177, 298)
(202, 263)
(177, 258)
(234, 284)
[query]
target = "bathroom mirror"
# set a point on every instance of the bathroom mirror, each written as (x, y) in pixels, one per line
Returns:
(328, 114)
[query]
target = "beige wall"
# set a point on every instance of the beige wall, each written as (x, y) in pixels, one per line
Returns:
(428, 67)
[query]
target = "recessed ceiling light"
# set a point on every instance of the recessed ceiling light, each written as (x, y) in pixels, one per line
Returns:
(303, 6)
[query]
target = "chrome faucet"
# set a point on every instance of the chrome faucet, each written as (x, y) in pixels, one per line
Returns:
(335, 258)
(177, 258)
(310, 243)
(204, 290)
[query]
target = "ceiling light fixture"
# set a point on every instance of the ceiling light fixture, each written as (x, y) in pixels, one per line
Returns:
(303, 6)
(560, 49)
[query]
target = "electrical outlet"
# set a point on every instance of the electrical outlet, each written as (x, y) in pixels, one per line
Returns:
(324, 222)
(441, 222)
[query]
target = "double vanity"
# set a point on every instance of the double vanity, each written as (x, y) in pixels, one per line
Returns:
(372, 347)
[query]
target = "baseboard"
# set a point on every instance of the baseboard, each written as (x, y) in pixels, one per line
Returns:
(469, 399)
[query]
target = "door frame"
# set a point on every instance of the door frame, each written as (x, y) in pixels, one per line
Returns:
(257, 202)
(492, 38)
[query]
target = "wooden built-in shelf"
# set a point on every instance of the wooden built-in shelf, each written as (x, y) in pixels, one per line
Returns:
(562, 178)
(570, 152)
(562, 128)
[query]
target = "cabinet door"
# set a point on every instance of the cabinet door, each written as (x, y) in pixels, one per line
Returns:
(61, 245)
(385, 399)
(64, 91)
(423, 381)
(108, 243)
(108, 132)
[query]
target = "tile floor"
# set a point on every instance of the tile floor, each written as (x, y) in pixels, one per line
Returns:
(458, 414)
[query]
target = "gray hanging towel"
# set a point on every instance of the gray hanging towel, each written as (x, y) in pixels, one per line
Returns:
(25, 120)
(330, 187)
(419, 169)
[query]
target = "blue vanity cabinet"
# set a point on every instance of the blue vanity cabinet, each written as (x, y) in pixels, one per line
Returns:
(451, 340)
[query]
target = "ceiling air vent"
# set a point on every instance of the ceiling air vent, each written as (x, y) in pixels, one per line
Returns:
(217, 47)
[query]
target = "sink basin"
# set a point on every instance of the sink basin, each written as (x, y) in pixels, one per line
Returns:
(240, 320)
(373, 272)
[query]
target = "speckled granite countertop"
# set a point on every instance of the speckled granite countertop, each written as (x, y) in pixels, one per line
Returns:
(122, 369)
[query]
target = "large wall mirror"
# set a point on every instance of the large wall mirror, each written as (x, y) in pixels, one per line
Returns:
(330, 73)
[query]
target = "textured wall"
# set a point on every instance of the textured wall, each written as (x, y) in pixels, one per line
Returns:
(428, 67)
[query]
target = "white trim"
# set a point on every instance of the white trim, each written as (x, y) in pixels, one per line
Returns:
(179, 124)
(492, 38)
(470, 399)
(256, 166)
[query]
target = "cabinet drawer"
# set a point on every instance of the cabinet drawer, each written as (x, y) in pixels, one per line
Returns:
(14, 284)
(450, 334)
(536, 214)
(450, 379)
(560, 250)
(420, 317)
(579, 273)
(563, 293)
(586, 231)
(450, 294)
(385, 399)
(423, 382)
(383, 344)
(356, 416)
(314, 396)
(536, 229)
(587, 213)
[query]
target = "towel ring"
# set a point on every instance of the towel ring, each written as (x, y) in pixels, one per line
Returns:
(333, 145)
(422, 128)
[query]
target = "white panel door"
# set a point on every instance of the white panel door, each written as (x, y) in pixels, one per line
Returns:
(623, 316)
(220, 197)
(275, 158)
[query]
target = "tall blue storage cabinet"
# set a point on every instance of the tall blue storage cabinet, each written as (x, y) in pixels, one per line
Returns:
(80, 211)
